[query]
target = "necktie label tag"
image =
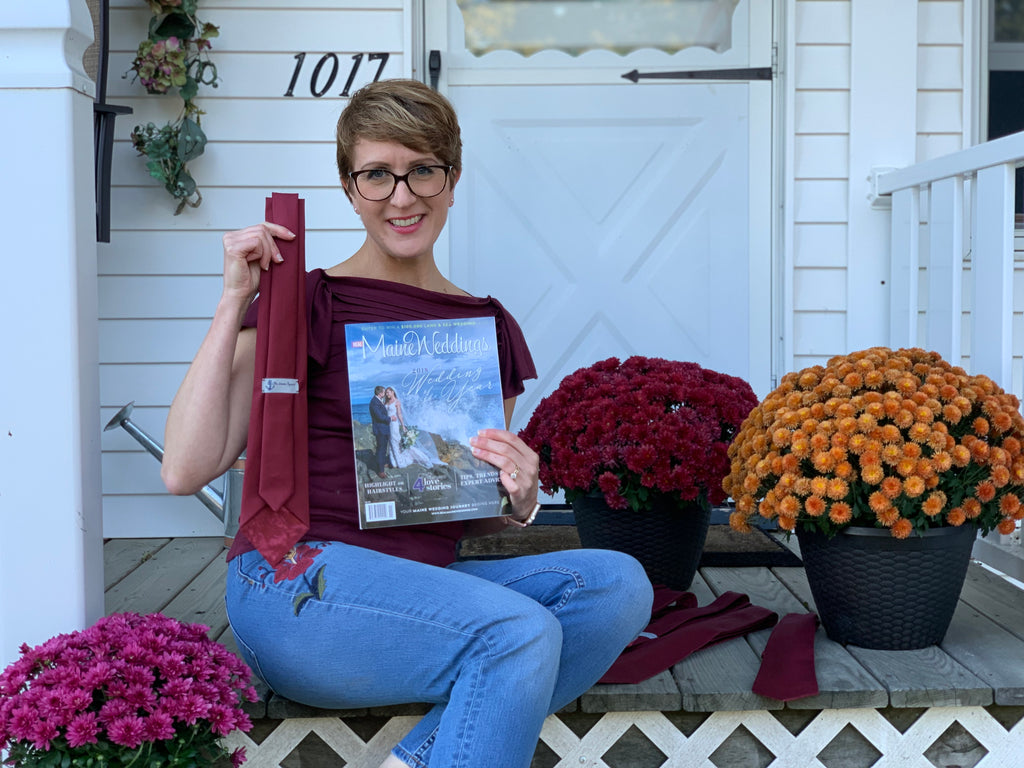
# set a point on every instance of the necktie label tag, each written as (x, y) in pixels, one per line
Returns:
(280, 386)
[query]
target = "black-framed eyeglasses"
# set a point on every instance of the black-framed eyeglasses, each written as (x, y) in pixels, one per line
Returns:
(377, 184)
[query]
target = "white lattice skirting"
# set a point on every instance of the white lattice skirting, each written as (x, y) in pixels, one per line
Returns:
(967, 737)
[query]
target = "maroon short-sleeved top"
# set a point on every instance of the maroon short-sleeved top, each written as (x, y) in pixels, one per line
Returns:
(332, 302)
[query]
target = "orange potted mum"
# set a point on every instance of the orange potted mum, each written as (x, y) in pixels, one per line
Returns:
(898, 448)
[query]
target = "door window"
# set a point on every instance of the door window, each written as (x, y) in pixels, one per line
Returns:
(1009, 21)
(1006, 79)
(575, 26)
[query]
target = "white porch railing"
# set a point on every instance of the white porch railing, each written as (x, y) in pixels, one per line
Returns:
(952, 270)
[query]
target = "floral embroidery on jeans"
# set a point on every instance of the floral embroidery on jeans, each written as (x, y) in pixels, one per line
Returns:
(295, 563)
(293, 566)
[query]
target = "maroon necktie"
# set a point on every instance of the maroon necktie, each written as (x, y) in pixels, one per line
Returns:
(666, 599)
(787, 663)
(275, 490)
(681, 629)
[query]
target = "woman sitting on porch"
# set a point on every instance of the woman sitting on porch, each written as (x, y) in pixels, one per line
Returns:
(496, 645)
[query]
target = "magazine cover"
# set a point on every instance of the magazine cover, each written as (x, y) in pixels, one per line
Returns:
(420, 389)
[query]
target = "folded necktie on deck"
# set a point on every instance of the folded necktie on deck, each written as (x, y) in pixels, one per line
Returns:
(787, 663)
(666, 599)
(680, 628)
(275, 490)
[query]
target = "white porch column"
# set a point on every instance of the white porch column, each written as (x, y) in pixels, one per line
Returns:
(51, 558)
(883, 120)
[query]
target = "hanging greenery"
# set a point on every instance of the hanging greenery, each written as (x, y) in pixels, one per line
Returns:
(175, 55)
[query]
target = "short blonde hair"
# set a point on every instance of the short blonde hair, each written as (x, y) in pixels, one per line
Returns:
(404, 111)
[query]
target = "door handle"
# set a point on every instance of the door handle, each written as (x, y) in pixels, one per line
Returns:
(434, 67)
(749, 73)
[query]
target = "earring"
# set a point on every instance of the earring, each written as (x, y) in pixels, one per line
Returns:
(451, 202)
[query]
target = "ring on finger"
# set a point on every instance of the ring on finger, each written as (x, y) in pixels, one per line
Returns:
(515, 472)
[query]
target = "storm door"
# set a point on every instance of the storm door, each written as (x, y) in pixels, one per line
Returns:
(616, 194)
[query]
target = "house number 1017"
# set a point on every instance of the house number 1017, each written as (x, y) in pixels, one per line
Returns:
(326, 71)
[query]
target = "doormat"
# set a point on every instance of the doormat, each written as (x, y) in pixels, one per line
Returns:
(724, 547)
(727, 548)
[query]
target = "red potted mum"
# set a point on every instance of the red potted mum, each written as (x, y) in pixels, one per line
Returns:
(637, 445)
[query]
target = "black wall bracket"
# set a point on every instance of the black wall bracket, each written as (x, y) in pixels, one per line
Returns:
(103, 130)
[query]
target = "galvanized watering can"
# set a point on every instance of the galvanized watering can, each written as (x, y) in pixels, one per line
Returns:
(225, 505)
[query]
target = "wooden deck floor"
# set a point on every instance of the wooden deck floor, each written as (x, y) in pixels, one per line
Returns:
(981, 661)
(182, 578)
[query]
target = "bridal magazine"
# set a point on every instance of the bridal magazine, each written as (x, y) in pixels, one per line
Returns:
(420, 389)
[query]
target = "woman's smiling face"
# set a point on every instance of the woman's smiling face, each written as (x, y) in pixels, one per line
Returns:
(404, 226)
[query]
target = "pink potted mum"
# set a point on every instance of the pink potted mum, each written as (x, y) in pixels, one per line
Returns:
(130, 690)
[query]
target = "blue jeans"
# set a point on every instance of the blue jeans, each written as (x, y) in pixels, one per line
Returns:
(497, 645)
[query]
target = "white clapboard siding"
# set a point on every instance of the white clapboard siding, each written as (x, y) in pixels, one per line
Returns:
(132, 484)
(257, 75)
(168, 340)
(145, 384)
(267, 165)
(819, 290)
(160, 274)
(199, 252)
(818, 201)
(940, 22)
(822, 112)
(820, 245)
(150, 208)
(820, 188)
(942, 74)
(243, 120)
(932, 145)
(940, 67)
(823, 22)
(131, 472)
(282, 30)
(941, 121)
(822, 67)
(939, 111)
(821, 156)
(152, 297)
(819, 332)
(158, 515)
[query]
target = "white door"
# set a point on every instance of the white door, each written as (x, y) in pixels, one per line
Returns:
(613, 217)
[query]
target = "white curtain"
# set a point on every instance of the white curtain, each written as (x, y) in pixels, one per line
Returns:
(575, 26)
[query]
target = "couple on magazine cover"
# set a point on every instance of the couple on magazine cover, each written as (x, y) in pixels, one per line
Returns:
(388, 429)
